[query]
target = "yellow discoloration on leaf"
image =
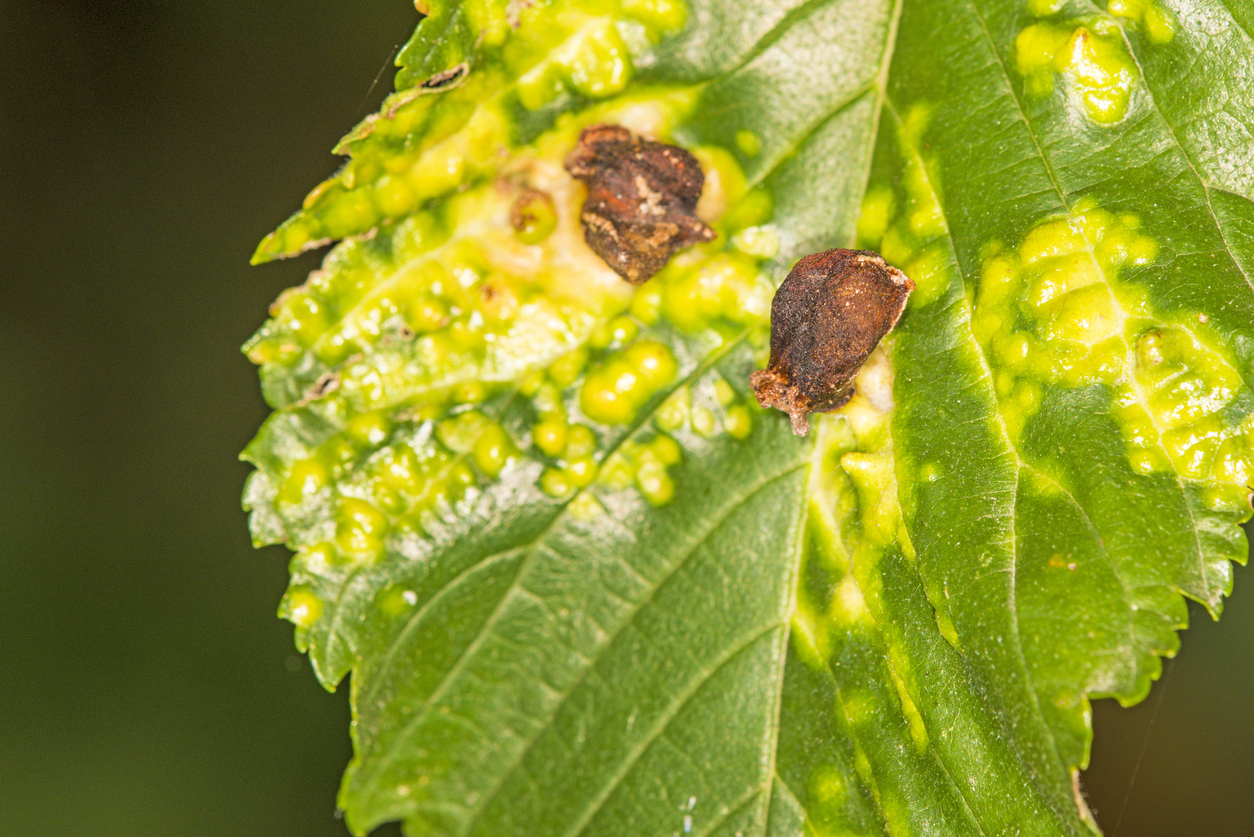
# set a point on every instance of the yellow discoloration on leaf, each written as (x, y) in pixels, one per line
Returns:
(1098, 71)
(1057, 310)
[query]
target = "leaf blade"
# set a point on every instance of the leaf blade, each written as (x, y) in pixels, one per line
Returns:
(941, 654)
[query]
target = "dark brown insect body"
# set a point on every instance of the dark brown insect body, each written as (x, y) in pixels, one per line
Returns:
(826, 319)
(642, 198)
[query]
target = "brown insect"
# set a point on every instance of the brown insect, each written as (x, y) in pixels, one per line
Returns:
(642, 197)
(826, 319)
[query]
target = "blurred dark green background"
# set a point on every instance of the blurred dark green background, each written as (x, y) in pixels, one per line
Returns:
(146, 686)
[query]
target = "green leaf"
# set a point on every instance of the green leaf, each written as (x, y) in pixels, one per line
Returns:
(584, 585)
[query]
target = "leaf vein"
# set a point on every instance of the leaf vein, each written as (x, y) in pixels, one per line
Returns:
(629, 622)
(1188, 158)
(664, 721)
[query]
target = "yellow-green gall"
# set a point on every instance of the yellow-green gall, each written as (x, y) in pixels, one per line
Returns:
(848, 604)
(460, 477)
(499, 305)
(493, 450)
(1234, 461)
(395, 600)
(469, 392)
(301, 607)
(614, 392)
(929, 267)
(303, 315)
(262, 350)
(704, 422)
(748, 142)
(369, 429)
(1043, 8)
(877, 212)
(654, 483)
(585, 507)
(874, 478)
(387, 498)
(460, 433)
(762, 242)
(827, 789)
(1156, 22)
(607, 397)
(1056, 311)
(673, 414)
(739, 422)
(399, 470)
(623, 330)
(567, 368)
(658, 16)
(580, 441)
(396, 196)
(549, 436)
(646, 305)
(655, 363)
(618, 330)
(539, 85)
(531, 383)
(1004, 383)
(306, 478)
(726, 286)
(548, 401)
(359, 526)
(666, 450)
(350, 213)
(426, 315)
(1098, 66)
(466, 335)
(581, 472)
(533, 217)
(897, 246)
(753, 210)
(600, 65)
(317, 558)
(725, 182)
(617, 472)
(554, 483)
(1159, 25)
(337, 452)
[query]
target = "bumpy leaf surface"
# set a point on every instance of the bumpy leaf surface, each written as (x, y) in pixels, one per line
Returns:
(585, 586)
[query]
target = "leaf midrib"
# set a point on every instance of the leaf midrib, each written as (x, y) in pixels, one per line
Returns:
(985, 361)
(763, 43)
(1011, 547)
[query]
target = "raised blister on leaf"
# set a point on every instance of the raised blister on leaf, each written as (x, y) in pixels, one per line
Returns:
(642, 200)
(533, 216)
(827, 317)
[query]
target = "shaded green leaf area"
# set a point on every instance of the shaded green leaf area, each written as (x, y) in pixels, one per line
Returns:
(584, 585)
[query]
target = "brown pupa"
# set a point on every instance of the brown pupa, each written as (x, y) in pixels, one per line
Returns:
(642, 199)
(827, 317)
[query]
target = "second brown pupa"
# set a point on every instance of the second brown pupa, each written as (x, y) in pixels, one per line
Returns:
(827, 317)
